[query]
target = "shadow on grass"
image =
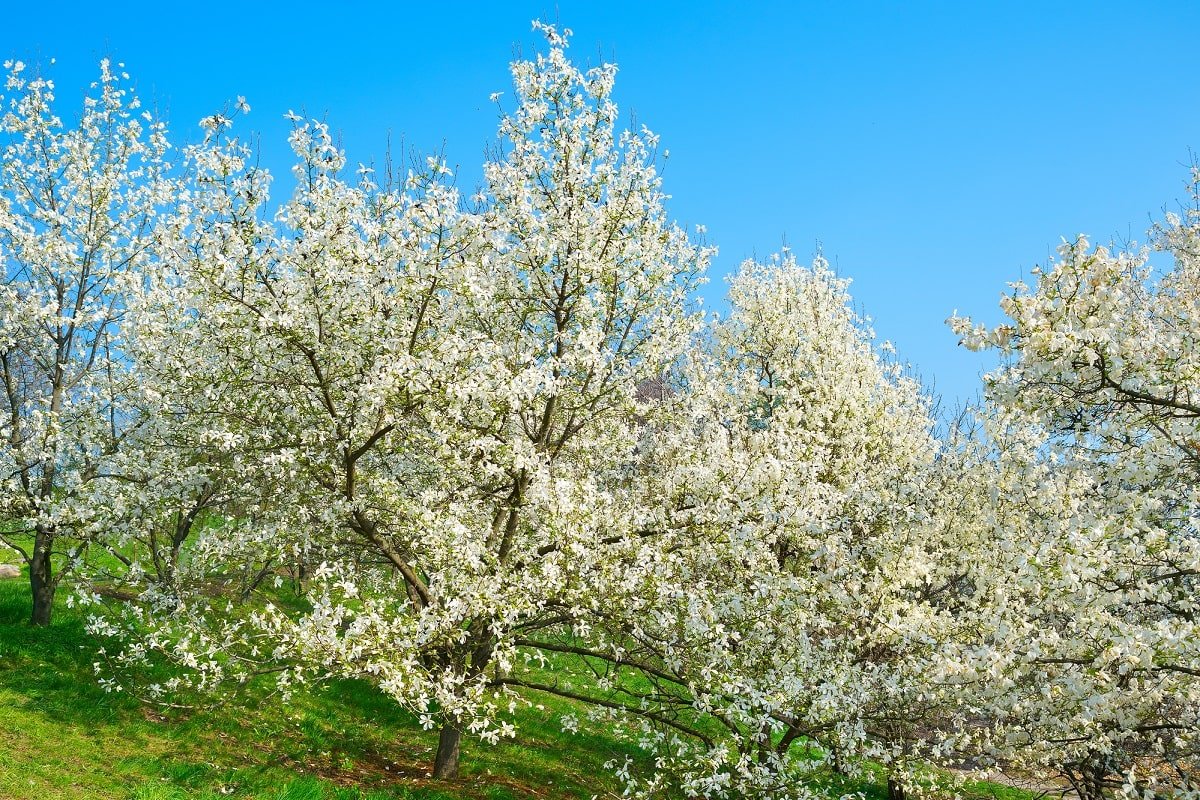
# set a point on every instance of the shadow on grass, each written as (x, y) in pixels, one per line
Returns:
(52, 668)
(342, 741)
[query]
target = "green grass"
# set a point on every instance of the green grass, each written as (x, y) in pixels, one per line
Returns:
(62, 736)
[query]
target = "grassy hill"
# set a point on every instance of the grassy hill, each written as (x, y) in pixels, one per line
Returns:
(62, 736)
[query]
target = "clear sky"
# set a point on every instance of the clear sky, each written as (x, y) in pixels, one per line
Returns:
(934, 151)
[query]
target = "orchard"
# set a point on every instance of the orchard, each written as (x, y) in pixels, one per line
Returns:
(482, 449)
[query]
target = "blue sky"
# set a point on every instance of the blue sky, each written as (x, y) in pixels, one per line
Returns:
(934, 151)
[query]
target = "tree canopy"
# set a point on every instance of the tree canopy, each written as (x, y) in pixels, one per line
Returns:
(477, 449)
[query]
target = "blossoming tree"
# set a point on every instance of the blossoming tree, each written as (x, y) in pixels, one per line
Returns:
(78, 205)
(437, 401)
(1092, 570)
(789, 618)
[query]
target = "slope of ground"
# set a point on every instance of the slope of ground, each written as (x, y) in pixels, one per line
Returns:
(62, 737)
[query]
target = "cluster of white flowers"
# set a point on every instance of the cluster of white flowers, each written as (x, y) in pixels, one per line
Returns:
(478, 453)
(1088, 544)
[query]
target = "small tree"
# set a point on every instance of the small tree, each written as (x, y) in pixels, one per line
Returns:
(1090, 634)
(77, 211)
(784, 619)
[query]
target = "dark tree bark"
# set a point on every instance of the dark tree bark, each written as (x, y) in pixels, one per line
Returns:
(445, 763)
(41, 577)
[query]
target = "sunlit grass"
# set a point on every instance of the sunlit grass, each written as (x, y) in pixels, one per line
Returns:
(62, 736)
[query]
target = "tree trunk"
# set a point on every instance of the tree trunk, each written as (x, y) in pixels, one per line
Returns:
(895, 791)
(41, 577)
(445, 763)
(470, 666)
